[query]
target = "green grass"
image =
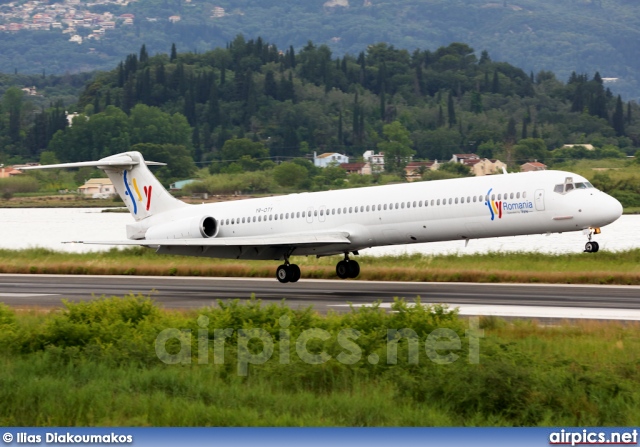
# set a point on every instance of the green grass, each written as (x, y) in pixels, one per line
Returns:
(94, 364)
(600, 268)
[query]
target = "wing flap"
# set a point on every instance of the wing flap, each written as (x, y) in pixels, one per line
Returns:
(254, 241)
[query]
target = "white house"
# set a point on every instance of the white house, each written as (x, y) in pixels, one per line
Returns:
(98, 188)
(324, 160)
(376, 160)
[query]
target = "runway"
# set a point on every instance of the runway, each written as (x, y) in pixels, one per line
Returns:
(614, 302)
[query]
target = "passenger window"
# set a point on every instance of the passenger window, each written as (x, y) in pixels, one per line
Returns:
(438, 202)
(322, 212)
(414, 203)
(339, 210)
(304, 214)
(350, 210)
(499, 196)
(344, 210)
(432, 202)
(275, 217)
(385, 207)
(355, 209)
(402, 205)
(493, 197)
(379, 207)
(397, 205)
(474, 199)
(450, 201)
(315, 213)
(362, 208)
(517, 195)
(367, 208)
(298, 214)
(456, 200)
(524, 195)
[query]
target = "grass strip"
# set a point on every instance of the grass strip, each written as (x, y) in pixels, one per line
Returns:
(522, 267)
(95, 364)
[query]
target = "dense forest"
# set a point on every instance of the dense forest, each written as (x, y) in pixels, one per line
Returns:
(250, 105)
(572, 35)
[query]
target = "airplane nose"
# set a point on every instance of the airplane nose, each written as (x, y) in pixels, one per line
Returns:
(612, 209)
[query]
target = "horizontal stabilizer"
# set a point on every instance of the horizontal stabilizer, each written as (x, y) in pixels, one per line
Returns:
(123, 161)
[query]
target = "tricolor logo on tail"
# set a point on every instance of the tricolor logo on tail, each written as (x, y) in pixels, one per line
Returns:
(147, 192)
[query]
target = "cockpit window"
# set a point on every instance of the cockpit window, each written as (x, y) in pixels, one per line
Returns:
(569, 186)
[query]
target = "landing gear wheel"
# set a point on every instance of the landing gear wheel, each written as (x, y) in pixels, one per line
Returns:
(294, 272)
(354, 269)
(342, 270)
(283, 273)
(591, 247)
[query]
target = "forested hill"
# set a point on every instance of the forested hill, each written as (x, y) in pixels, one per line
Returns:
(289, 104)
(560, 36)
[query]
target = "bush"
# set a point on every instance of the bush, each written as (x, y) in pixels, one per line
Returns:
(12, 185)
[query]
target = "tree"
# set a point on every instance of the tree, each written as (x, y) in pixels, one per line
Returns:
(174, 53)
(530, 149)
(618, 118)
(457, 169)
(290, 175)
(451, 110)
(397, 147)
(12, 101)
(237, 148)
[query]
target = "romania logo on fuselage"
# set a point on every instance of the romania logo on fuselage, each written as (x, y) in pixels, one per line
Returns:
(495, 207)
(146, 189)
(507, 206)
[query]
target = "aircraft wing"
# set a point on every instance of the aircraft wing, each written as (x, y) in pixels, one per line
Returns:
(252, 241)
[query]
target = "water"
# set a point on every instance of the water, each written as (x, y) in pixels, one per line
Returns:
(49, 228)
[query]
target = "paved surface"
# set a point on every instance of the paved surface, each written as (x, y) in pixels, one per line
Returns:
(181, 292)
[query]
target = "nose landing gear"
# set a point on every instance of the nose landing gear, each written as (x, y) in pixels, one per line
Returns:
(592, 246)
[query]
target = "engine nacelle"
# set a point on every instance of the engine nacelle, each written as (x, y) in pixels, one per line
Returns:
(189, 228)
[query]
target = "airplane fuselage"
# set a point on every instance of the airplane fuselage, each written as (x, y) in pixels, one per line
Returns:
(442, 210)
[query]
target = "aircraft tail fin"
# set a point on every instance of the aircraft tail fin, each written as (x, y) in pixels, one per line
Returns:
(139, 189)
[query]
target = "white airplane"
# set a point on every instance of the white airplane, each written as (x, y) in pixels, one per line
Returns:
(347, 221)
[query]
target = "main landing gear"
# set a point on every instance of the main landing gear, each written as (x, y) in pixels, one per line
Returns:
(592, 246)
(288, 272)
(347, 268)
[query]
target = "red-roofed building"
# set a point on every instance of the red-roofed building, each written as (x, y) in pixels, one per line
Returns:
(357, 168)
(533, 166)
